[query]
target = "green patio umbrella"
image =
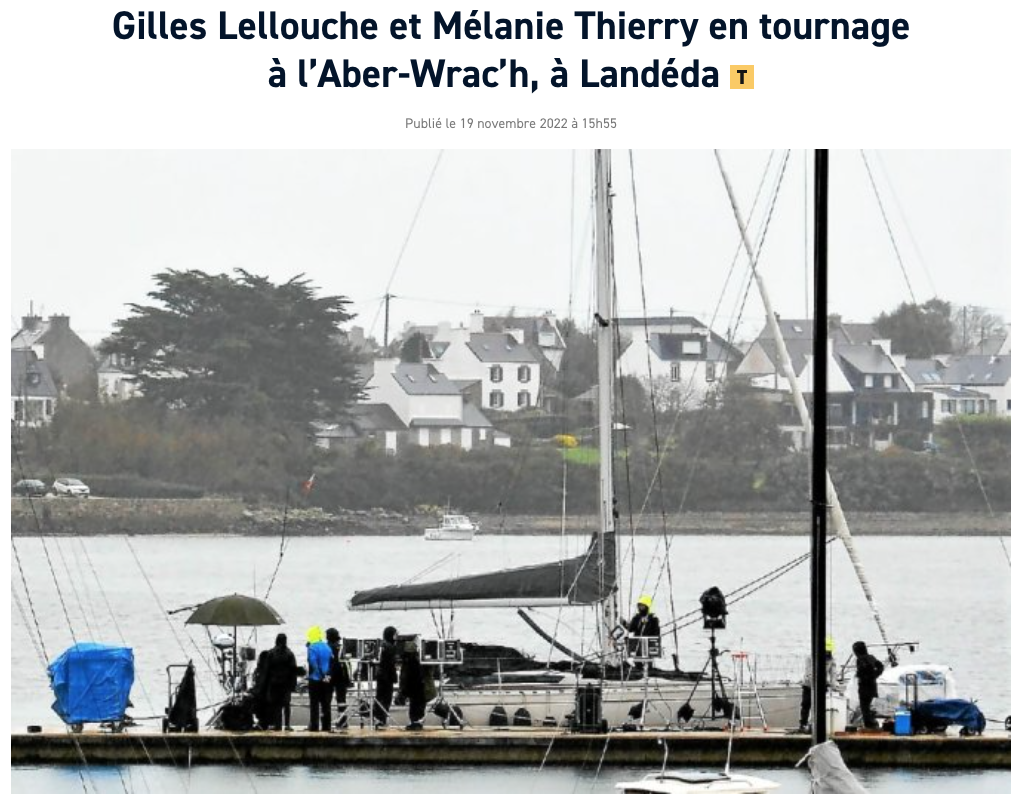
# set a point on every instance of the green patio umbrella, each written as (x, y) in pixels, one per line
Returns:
(235, 610)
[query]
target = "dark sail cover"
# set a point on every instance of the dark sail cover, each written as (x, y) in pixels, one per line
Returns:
(567, 582)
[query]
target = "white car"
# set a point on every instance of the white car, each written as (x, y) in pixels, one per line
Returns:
(68, 486)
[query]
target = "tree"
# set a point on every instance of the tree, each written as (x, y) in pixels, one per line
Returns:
(414, 349)
(578, 365)
(222, 345)
(973, 326)
(918, 330)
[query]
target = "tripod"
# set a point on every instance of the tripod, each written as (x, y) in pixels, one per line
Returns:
(719, 705)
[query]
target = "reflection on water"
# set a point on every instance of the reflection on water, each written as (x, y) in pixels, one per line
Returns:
(444, 780)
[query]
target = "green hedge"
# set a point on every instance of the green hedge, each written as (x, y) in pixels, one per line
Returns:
(127, 486)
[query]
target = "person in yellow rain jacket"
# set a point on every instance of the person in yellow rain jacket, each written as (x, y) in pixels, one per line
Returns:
(644, 623)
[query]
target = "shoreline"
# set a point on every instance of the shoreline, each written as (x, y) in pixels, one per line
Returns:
(99, 516)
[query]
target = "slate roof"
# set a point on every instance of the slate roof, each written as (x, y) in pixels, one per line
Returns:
(531, 326)
(676, 319)
(867, 359)
(423, 379)
(668, 347)
(924, 372)
(958, 391)
(978, 370)
(500, 349)
(30, 377)
(474, 417)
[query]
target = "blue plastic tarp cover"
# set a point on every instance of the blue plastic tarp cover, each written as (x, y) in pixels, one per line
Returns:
(951, 711)
(91, 682)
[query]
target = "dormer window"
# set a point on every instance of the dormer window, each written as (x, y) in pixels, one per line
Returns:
(868, 381)
(496, 373)
(34, 379)
(411, 378)
(432, 377)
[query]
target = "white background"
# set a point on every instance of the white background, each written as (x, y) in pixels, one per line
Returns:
(70, 83)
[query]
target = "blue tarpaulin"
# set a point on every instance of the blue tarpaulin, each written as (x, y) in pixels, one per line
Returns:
(92, 682)
(937, 714)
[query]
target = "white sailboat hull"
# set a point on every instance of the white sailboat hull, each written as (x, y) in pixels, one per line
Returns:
(551, 705)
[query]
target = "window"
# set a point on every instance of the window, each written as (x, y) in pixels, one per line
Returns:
(968, 406)
(711, 372)
(691, 347)
(496, 373)
(496, 399)
(675, 372)
(524, 373)
(834, 413)
(888, 381)
(947, 406)
(868, 381)
(523, 399)
(925, 410)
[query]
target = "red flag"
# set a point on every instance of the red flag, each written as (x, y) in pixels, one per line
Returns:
(307, 485)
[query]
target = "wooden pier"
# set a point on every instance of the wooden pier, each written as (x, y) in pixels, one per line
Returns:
(489, 746)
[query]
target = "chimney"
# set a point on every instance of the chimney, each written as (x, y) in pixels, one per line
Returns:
(475, 322)
(30, 322)
(60, 322)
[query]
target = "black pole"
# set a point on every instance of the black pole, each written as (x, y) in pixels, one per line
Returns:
(819, 485)
(386, 319)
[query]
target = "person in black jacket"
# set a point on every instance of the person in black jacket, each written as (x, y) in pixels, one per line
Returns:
(386, 677)
(867, 670)
(413, 684)
(340, 676)
(281, 677)
(644, 623)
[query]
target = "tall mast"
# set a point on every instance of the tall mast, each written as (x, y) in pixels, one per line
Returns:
(837, 514)
(818, 548)
(605, 382)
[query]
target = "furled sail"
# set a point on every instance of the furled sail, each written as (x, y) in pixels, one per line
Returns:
(576, 581)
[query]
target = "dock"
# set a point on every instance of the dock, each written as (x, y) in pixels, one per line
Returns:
(508, 746)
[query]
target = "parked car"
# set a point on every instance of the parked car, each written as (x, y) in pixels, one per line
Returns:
(30, 488)
(68, 486)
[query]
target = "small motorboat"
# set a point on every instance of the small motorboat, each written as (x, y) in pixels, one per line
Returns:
(691, 782)
(453, 526)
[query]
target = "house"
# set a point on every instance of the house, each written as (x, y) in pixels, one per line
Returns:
(507, 371)
(870, 398)
(971, 384)
(33, 390)
(373, 422)
(113, 381)
(70, 360)
(428, 404)
(538, 333)
(678, 357)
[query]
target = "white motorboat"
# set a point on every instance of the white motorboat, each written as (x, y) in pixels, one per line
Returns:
(453, 526)
(692, 782)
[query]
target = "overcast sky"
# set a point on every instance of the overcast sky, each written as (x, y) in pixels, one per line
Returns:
(500, 230)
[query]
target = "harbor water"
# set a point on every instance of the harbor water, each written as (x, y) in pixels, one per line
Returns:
(951, 595)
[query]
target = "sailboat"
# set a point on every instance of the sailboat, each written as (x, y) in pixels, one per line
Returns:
(550, 695)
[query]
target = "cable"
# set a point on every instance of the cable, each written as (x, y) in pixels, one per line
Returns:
(408, 236)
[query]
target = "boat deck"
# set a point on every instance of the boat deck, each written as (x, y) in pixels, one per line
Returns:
(498, 746)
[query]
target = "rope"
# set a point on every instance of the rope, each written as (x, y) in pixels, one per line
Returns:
(908, 284)
(408, 236)
(283, 543)
(652, 398)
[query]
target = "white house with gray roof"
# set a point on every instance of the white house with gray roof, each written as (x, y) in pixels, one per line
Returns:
(506, 369)
(678, 357)
(972, 384)
(429, 405)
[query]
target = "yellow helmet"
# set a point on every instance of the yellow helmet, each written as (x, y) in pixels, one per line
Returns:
(829, 645)
(315, 634)
(646, 601)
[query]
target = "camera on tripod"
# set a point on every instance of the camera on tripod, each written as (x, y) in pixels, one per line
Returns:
(714, 608)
